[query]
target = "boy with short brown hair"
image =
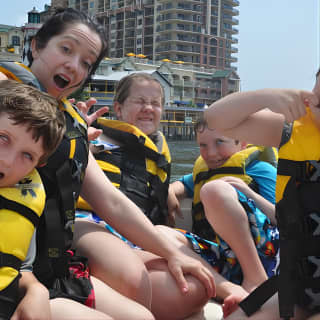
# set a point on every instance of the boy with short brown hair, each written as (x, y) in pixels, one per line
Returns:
(31, 127)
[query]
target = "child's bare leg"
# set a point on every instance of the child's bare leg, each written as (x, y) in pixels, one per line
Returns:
(229, 219)
(113, 261)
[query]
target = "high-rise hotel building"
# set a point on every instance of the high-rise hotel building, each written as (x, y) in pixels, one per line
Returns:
(199, 32)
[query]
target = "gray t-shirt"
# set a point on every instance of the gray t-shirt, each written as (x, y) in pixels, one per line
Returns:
(31, 255)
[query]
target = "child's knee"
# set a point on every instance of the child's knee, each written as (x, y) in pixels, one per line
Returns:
(217, 192)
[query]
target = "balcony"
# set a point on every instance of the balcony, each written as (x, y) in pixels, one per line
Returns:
(234, 49)
(234, 40)
(235, 3)
(234, 31)
(230, 9)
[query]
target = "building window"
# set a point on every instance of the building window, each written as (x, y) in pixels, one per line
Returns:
(91, 5)
(15, 41)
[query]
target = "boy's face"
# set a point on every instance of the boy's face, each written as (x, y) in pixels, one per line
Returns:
(19, 153)
(216, 149)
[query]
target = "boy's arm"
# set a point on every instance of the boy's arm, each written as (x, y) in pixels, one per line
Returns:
(35, 304)
(179, 190)
(267, 207)
(173, 202)
(258, 116)
(35, 297)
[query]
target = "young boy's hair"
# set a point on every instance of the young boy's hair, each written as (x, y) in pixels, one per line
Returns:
(202, 125)
(39, 112)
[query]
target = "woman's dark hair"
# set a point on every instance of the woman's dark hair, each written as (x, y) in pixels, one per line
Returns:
(318, 73)
(58, 23)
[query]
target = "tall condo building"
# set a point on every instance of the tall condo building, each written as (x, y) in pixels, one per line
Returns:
(199, 32)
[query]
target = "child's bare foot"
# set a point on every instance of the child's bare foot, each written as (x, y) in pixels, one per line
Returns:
(230, 303)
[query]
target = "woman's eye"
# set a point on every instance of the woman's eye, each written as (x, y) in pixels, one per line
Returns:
(65, 49)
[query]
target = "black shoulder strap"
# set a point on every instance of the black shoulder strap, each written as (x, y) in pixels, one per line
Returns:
(9, 260)
(19, 208)
(259, 296)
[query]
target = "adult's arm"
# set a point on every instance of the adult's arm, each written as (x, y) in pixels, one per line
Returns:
(120, 212)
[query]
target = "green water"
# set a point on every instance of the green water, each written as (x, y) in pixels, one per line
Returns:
(183, 154)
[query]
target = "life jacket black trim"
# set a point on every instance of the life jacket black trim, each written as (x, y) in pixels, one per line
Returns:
(131, 141)
(9, 299)
(224, 170)
(17, 207)
(9, 260)
(140, 168)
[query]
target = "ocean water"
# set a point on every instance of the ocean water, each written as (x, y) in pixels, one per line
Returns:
(184, 154)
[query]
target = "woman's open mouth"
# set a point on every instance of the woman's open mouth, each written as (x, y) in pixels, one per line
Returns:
(61, 81)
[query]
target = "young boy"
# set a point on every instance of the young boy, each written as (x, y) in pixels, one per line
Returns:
(290, 120)
(31, 127)
(233, 205)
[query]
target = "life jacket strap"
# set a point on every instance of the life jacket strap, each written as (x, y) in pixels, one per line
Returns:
(19, 208)
(9, 260)
(259, 296)
(205, 175)
(299, 169)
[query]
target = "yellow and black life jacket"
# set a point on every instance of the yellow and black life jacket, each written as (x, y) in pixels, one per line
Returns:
(62, 177)
(235, 166)
(140, 168)
(20, 210)
(298, 219)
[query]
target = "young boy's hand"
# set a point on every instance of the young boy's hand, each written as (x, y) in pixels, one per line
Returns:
(173, 206)
(33, 307)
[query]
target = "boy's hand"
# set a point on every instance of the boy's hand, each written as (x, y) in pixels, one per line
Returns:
(35, 305)
(173, 207)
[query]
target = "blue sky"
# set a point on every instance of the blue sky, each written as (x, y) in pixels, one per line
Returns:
(278, 40)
